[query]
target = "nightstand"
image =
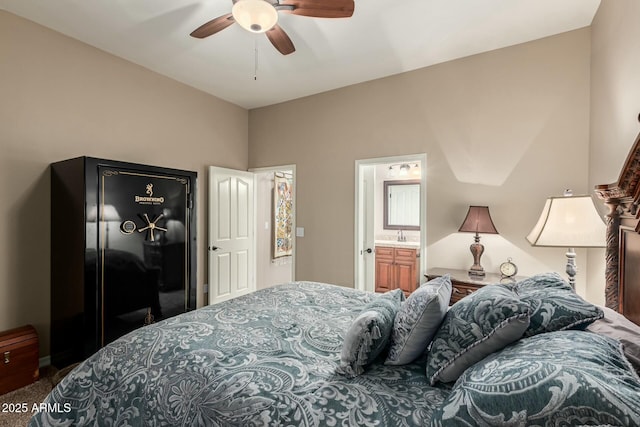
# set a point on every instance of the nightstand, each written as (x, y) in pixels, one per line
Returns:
(463, 284)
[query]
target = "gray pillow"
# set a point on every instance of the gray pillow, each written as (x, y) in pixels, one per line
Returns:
(418, 320)
(558, 378)
(554, 305)
(369, 333)
(477, 325)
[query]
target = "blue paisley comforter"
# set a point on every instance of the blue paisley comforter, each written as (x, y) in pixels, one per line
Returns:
(269, 359)
(264, 359)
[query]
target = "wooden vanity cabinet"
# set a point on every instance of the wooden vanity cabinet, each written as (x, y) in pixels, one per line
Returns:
(384, 269)
(397, 267)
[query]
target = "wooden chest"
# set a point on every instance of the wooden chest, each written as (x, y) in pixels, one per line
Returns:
(18, 358)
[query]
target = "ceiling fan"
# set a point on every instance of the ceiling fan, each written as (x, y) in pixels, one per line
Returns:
(261, 16)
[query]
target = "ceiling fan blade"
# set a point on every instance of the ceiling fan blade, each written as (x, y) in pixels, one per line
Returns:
(320, 8)
(280, 40)
(213, 26)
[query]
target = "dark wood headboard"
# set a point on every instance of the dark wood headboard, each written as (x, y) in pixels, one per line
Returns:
(622, 291)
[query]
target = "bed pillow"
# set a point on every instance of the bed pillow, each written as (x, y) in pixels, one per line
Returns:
(369, 333)
(418, 320)
(477, 325)
(559, 378)
(554, 305)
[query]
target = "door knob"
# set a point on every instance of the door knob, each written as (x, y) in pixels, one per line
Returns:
(213, 248)
(368, 250)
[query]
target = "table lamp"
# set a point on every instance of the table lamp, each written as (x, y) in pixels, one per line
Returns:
(571, 222)
(477, 221)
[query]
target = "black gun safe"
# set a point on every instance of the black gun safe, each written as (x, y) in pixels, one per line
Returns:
(123, 251)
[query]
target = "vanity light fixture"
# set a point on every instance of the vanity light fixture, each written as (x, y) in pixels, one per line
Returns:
(403, 170)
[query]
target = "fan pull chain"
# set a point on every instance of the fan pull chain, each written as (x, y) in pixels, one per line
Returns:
(255, 59)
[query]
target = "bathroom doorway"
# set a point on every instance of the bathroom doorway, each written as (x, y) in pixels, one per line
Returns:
(371, 223)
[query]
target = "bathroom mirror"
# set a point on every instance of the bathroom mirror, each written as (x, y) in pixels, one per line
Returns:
(402, 205)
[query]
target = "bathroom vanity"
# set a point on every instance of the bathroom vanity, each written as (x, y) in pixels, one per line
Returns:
(397, 266)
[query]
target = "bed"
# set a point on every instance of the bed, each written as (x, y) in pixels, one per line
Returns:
(315, 354)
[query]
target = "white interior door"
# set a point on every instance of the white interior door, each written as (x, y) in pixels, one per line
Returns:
(365, 231)
(369, 257)
(231, 234)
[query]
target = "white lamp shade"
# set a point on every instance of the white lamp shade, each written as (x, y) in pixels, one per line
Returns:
(570, 222)
(256, 16)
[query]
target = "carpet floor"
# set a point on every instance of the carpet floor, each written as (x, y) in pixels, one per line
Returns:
(12, 404)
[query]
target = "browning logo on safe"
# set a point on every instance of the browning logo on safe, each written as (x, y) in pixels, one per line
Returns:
(149, 199)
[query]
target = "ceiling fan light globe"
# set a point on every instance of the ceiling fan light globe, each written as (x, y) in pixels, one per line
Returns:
(256, 16)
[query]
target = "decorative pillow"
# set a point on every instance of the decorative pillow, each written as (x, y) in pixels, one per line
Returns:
(559, 378)
(418, 320)
(483, 322)
(369, 333)
(554, 305)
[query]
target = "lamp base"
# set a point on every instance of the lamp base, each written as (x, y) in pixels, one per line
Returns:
(571, 268)
(476, 273)
(476, 249)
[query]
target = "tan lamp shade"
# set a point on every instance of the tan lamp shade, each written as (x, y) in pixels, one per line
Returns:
(478, 220)
(570, 222)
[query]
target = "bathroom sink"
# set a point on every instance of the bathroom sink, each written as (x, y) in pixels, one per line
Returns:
(395, 243)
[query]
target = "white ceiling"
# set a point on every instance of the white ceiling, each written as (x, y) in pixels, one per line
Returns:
(383, 37)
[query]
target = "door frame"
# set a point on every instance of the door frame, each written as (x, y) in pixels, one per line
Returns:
(359, 279)
(292, 168)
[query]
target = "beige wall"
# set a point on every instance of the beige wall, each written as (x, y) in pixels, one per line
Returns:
(60, 98)
(498, 129)
(615, 101)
